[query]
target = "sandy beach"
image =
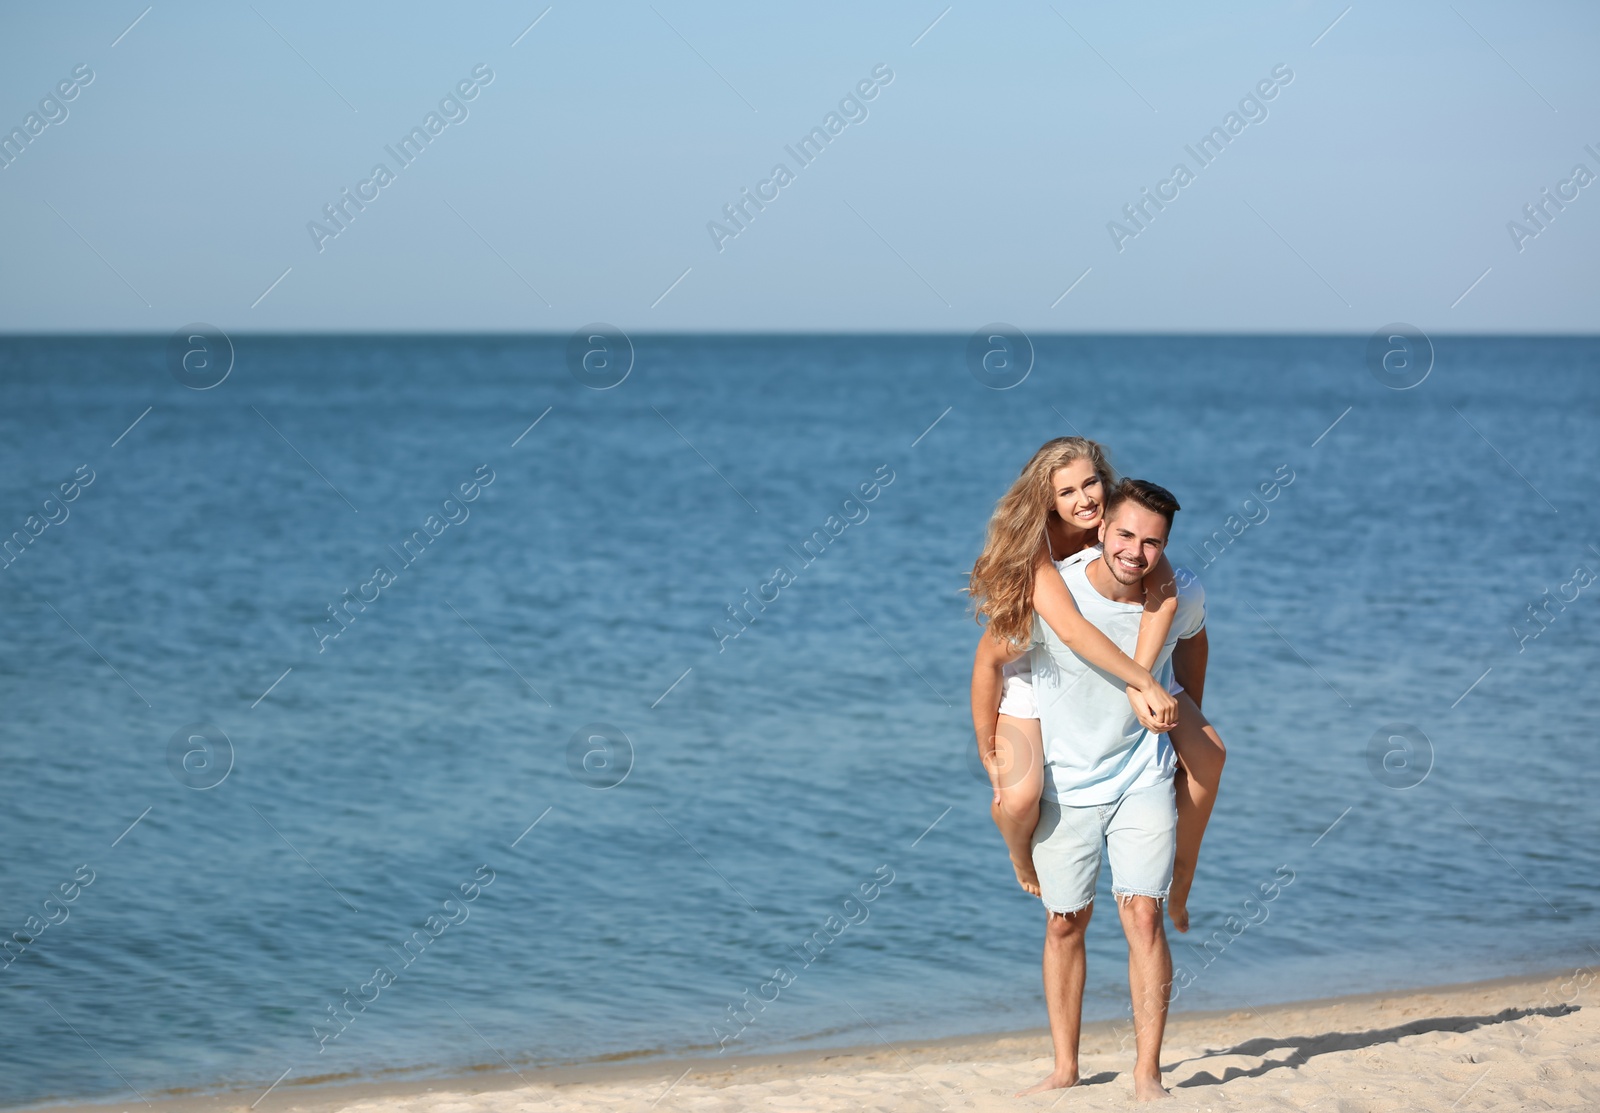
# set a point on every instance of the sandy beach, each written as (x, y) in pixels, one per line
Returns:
(1509, 1044)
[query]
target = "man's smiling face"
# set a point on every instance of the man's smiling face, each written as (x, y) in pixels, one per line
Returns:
(1134, 538)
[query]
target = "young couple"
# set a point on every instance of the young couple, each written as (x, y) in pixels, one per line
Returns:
(1086, 693)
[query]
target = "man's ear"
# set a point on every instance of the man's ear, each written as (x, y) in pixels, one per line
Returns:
(1100, 533)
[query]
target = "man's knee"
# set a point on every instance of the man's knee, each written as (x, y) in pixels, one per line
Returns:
(1066, 926)
(1141, 916)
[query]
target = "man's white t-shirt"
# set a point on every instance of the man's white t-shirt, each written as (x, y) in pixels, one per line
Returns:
(1095, 750)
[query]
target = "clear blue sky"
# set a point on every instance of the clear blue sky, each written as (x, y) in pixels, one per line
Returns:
(978, 187)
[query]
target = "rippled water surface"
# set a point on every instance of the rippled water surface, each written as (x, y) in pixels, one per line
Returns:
(446, 737)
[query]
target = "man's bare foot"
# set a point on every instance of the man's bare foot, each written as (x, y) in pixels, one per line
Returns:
(1055, 1080)
(1026, 876)
(1148, 1089)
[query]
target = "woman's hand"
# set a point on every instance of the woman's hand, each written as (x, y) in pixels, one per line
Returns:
(1156, 707)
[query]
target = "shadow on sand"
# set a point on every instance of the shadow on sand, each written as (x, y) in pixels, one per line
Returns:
(1302, 1048)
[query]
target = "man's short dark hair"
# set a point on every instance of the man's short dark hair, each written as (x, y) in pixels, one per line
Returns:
(1142, 492)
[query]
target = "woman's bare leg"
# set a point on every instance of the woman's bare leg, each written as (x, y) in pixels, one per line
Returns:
(1019, 758)
(1200, 755)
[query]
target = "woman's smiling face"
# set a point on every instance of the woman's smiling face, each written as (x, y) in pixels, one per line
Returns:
(1077, 493)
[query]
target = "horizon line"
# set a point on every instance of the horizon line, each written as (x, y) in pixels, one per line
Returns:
(89, 334)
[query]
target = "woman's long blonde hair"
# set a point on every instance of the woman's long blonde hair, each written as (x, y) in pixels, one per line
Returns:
(1001, 583)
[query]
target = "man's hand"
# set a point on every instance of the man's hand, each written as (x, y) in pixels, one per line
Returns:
(987, 683)
(986, 754)
(1156, 708)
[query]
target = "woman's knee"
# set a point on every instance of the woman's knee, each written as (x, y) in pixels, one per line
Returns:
(1201, 752)
(1219, 749)
(1020, 799)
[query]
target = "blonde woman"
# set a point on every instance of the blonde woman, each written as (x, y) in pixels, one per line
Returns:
(1052, 511)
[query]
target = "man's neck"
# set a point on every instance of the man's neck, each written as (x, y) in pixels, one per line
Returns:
(1101, 579)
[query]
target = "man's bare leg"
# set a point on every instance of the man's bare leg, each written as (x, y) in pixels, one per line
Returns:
(1063, 994)
(1149, 982)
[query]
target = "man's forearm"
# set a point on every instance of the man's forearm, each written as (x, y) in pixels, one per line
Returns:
(987, 682)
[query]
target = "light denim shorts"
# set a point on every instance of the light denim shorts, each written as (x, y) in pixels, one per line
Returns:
(1139, 833)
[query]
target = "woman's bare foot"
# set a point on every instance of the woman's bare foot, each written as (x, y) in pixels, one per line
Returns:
(1149, 1089)
(1056, 1080)
(1026, 876)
